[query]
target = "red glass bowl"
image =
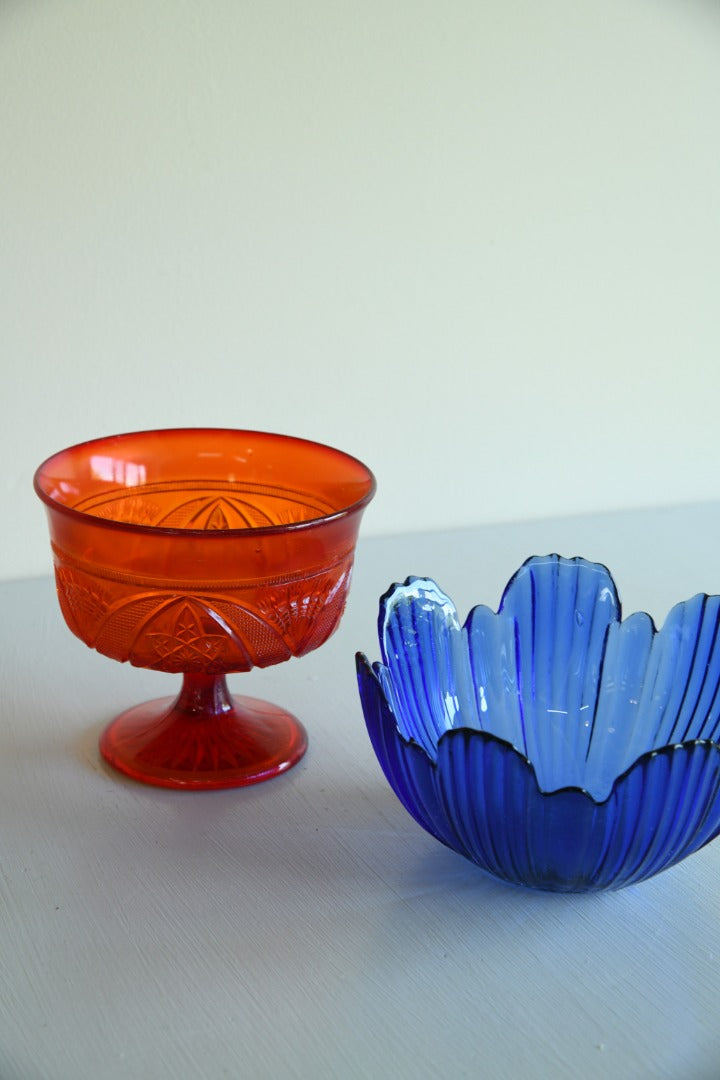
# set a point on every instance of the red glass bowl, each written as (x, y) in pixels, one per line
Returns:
(202, 552)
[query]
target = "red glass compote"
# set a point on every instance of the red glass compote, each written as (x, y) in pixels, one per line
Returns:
(202, 552)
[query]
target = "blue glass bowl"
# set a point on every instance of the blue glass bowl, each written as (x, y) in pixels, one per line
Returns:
(550, 743)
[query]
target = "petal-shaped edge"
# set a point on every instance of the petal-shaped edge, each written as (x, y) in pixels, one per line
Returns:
(554, 672)
(561, 611)
(504, 672)
(481, 798)
(427, 678)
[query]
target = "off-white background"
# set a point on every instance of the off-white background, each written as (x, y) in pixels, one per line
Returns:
(475, 243)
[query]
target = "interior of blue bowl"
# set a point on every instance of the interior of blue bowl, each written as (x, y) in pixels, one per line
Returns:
(554, 672)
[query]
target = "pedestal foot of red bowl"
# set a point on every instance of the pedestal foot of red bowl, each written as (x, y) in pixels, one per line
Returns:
(204, 739)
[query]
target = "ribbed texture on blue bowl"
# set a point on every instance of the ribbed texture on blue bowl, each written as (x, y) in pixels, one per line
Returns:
(550, 743)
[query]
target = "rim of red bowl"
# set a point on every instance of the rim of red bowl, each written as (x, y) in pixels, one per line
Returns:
(157, 530)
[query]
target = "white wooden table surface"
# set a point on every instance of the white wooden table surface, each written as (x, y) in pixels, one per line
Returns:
(308, 927)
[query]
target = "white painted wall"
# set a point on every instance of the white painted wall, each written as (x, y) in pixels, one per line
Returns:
(476, 244)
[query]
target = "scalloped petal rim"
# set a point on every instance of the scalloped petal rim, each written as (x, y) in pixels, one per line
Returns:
(554, 672)
(469, 733)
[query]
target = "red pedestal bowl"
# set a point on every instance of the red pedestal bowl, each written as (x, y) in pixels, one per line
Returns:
(203, 552)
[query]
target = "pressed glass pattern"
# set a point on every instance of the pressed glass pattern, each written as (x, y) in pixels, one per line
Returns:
(203, 552)
(551, 743)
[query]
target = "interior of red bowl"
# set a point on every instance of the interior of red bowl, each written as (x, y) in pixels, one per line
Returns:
(204, 479)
